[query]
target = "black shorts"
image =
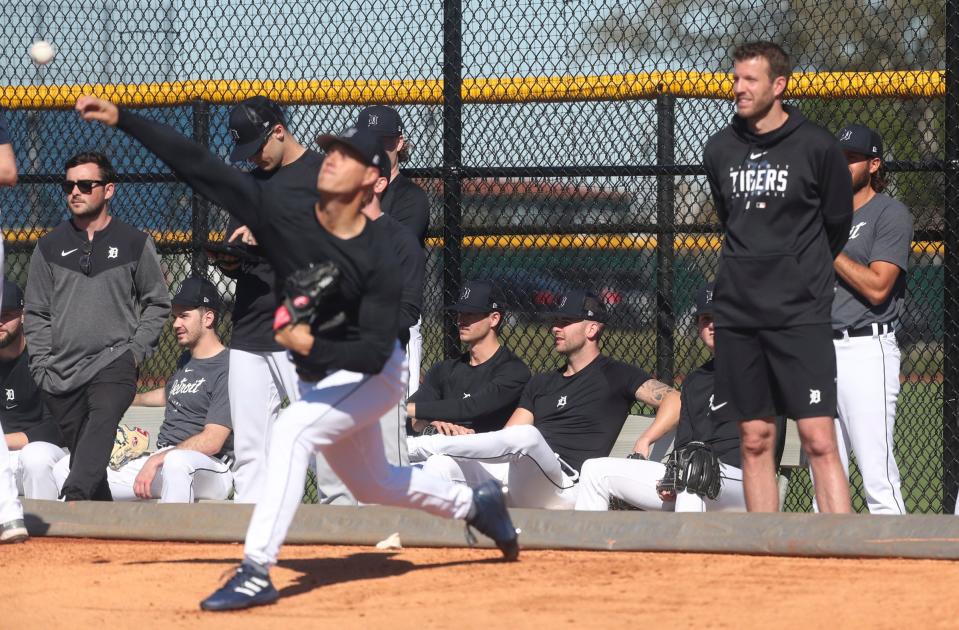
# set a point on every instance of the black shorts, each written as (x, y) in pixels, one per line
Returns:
(763, 372)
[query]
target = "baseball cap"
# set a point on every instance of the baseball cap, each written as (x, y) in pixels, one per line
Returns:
(12, 296)
(860, 139)
(382, 120)
(478, 296)
(579, 304)
(364, 142)
(704, 300)
(250, 125)
(197, 291)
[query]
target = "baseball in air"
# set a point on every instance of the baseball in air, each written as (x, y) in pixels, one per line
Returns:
(41, 52)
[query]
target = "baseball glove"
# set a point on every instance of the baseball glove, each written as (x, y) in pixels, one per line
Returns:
(129, 444)
(306, 291)
(694, 468)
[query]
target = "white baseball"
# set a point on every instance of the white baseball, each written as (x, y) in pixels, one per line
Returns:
(41, 52)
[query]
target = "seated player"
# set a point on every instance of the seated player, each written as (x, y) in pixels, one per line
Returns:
(564, 418)
(637, 481)
(195, 442)
(478, 391)
(32, 436)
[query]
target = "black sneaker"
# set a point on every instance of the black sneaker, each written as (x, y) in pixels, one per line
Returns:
(491, 518)
(245, 589)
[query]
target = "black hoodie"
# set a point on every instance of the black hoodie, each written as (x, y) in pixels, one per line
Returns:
(785, 201)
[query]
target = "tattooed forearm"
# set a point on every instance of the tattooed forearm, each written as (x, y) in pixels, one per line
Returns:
(652, 392)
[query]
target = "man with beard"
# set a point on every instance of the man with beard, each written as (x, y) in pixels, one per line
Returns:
(870, 289)
(95, 305)
(33, 437)
(783, 194)
(195, 445)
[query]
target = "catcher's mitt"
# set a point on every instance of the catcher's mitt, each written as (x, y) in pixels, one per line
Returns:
(129, 444)
(305, 291)
(694, 468)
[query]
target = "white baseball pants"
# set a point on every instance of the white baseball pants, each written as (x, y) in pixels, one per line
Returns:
(10, 508)
(867, 379)
(517, 456)
(339, 417)
(261, 385)
(414, 354)
(634, 481)
(185, 476)
(33, 469)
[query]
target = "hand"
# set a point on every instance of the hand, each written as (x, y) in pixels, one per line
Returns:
(96, 109)
(244, 234)
(642, 447)
(141, 485)
(667, 496)
(297, 338)
(448, 428)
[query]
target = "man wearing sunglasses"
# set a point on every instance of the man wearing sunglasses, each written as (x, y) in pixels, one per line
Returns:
(95, 305)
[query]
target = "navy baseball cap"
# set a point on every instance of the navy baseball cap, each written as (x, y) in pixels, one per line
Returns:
(382, 120)
(860, 139)
(12, 299)
(251, 123)
(704, 300)
(478, 296)
(196, 292)
(579, 305)
(362, 141)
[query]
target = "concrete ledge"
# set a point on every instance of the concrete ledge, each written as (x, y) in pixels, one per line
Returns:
(912, 536)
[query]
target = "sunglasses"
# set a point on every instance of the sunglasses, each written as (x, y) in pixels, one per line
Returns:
(86, 186)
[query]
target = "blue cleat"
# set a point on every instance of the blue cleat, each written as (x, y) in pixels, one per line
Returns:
(491, 518)
(245, 589)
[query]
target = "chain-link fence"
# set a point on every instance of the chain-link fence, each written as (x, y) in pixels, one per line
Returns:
(560, 143)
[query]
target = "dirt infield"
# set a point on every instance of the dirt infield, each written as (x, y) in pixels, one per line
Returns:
(58, 583)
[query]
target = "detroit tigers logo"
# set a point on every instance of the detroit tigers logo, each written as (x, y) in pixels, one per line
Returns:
(854, 230)
(465, 293)
(10, 394)
(113, 252)
(562, 303)
(815, 396)
(561, 402)
(846, 135)
(235, 134)
(374, 120)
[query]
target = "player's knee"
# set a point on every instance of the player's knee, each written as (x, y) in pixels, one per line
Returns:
(522, 436)
(34, 459)
(756, 443)
(818, 444)
(177, 461)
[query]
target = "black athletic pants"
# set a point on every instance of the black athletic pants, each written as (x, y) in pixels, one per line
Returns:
(88, 417)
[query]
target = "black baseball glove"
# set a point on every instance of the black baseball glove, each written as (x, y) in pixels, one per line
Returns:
(695, 468)
(307, 297)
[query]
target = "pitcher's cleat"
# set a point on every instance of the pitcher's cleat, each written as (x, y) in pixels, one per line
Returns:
(246, 589)
(13, 531)
(491, 518)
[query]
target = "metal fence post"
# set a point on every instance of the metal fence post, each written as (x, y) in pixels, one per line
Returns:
(950, 410)
(452, 165)
(665, 235)
(200, 223)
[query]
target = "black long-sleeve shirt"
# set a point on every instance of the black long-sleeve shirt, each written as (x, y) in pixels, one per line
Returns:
(254, 301)
(785, 202)
(412, 260)
(284, 220)
(407, 203)
(480, 397)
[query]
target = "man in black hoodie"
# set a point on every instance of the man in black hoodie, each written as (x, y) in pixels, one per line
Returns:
(784, 196)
